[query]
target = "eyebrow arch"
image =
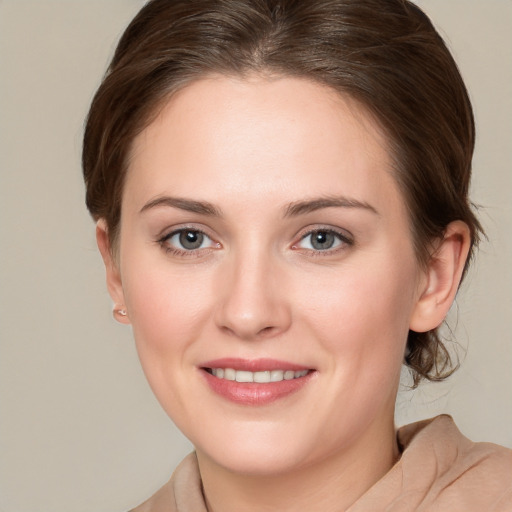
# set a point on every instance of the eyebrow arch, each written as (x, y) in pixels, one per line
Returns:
(311, 205)
(189, 205)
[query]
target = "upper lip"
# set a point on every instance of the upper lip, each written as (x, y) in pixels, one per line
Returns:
(253, 365)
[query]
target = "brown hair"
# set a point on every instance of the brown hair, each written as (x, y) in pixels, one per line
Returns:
(384, 53)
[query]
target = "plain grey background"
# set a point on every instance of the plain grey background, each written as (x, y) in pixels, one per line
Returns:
(79, 428)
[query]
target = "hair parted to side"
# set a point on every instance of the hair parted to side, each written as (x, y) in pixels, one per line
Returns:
(383, 53)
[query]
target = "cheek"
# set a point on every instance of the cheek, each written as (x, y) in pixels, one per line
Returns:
(363, 313)
(166, 311)
(167, 315)
(362, 323)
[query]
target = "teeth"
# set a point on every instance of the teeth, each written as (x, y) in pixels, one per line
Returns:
(244, 376)
(260, 377)
(229, 374)
(276, 375)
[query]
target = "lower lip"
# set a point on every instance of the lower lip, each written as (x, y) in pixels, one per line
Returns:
(253, 393)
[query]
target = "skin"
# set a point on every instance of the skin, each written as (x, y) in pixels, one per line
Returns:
(258, 288)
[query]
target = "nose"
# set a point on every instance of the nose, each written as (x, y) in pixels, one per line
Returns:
(254, 303)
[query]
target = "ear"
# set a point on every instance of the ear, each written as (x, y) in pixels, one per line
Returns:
(114, 282)
(442, 278)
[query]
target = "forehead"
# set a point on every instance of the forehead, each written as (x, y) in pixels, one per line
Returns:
(264, 137)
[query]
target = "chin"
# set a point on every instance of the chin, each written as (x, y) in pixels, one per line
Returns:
(258, 450)
(256, 462)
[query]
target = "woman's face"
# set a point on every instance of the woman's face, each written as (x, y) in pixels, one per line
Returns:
(263, 237)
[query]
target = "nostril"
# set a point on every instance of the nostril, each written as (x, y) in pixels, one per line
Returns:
(267, 331)
(227, 330)
(251, 315)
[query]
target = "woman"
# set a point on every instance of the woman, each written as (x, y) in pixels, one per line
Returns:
(281, 190)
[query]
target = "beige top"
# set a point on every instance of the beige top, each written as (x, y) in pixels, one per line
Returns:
(439, 470)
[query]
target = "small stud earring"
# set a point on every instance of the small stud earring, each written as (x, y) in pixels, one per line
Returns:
(119, 312)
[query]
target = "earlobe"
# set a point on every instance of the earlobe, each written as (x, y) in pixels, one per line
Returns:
(442, 278)
(113, 276)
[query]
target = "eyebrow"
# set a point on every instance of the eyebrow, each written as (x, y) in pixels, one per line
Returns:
(189, 205)
(312, 205)
(292, 210)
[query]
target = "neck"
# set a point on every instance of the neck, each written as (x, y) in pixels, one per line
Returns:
(328, 485)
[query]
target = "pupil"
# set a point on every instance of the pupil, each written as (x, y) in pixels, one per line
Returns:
(191, 239)
(322, 240)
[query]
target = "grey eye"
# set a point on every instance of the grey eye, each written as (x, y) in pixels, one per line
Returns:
(322, 240)
(190, 239)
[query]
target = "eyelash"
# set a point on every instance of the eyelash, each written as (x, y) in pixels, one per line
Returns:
(343, 241)
(169, 249)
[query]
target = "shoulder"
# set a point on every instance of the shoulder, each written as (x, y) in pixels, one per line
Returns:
(182, 492)
(161, 501)
(441, 470)
(450, 446)
(460, 471)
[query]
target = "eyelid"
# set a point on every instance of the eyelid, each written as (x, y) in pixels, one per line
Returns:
(343, 235)
(166, 235)
(168, 231)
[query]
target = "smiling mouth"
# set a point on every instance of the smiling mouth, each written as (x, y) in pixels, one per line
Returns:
(255, 382)
(260, 377)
